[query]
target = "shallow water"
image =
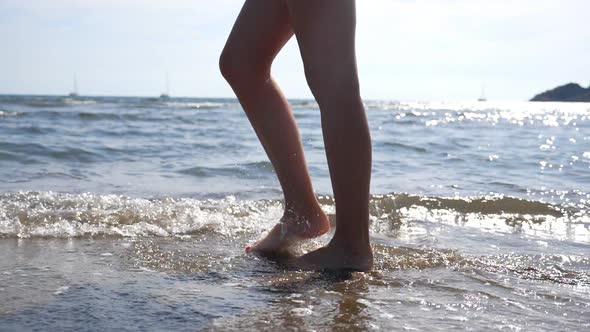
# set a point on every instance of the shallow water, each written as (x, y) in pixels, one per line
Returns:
(131, 213)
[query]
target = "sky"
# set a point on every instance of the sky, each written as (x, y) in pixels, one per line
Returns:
(407, 50)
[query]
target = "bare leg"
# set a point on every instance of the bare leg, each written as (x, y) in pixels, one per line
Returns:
(325, 31)
(261, 30)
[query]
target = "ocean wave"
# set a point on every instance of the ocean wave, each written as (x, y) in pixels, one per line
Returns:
(44, 103)
(304, 104)
(195, 105)
(113, 115)
(54, 102)
(50, 214)
(7, 114)
(98, 116)
(181, 103)
(402, 146)
(253, 170)
(40, 150)
(482, 205)
(76, 102)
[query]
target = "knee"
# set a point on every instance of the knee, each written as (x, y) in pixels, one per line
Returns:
(239, 71)
(226, 65)
(331, 83)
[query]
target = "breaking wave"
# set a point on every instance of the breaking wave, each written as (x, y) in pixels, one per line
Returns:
(64, 215)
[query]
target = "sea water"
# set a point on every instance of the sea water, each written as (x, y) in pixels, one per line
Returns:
(133, 214)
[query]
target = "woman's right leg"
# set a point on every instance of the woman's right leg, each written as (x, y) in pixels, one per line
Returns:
(261, 30)
(325, 31)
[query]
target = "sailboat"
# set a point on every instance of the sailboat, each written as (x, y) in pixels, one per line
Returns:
(74, 93)
(483, 94)
(166, 94)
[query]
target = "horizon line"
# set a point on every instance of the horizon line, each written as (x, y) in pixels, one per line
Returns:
(234, 98)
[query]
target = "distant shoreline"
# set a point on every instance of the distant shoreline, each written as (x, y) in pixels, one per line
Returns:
(571, 92)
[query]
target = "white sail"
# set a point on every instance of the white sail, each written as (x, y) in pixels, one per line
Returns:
(74, 92)
(166, 93)
(482, 97)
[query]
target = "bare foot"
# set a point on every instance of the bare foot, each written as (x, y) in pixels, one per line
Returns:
(291, 230)
(335, 257)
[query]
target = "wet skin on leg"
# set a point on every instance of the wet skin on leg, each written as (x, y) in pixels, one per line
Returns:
(325, 32)
(261, 30)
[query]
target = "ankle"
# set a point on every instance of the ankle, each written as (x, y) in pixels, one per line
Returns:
(353, 246)
(304, 212)
(308, 223)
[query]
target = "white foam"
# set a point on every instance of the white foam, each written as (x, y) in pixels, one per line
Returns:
(60, 290)
(5, 114)
(49, 214)
(203, 105)
(301, 312)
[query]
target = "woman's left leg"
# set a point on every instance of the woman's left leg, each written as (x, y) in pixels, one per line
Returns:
(260, 31)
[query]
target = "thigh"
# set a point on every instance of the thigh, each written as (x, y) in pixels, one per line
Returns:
(325, 32)
(324, 28)
(260, 31)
